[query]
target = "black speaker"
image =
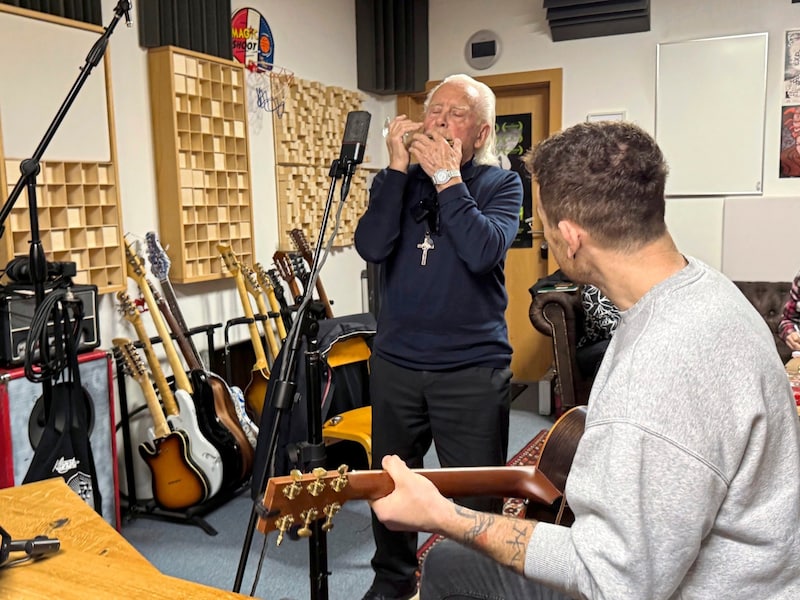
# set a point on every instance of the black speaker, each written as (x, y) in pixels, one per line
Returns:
(21, 422)
(17, 307)
(392, 45)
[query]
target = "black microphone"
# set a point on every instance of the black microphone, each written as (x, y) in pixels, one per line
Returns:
(354, 142)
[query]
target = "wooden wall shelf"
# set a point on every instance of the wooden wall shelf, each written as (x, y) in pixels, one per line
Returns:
(202, 160)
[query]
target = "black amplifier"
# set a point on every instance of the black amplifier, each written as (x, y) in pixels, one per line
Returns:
(17, 307)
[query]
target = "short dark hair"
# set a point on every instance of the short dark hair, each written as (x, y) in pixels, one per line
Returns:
(607, 177)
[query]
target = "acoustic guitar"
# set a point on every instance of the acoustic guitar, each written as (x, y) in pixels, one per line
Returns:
(176, 481)
(301, 499)
(179, 406)
(256, 390)
(302, 245)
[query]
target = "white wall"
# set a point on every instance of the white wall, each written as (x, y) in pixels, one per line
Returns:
(618, 73)
(316, 39)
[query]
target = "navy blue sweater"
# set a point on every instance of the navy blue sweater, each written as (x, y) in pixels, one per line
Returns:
(449, 313)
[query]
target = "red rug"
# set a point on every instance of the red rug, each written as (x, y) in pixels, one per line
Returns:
(512, 506)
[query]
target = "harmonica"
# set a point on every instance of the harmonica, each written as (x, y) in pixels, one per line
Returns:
(407, 138)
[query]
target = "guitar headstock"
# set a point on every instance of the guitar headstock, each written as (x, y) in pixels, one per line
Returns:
(284, 265)
(277, 286)
(250, 280)
(300, 270)
(159, 261)
(229, 258)
(133, 364)
(302, 245)
(127, 308)
(263, 278)
(303, 498)
(135, 265)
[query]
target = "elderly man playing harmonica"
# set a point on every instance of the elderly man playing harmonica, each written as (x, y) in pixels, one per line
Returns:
(440, 230)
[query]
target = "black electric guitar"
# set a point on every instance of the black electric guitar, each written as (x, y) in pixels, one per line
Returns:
(302, 245)
(277, 298)
(176, 481)
(301, 499)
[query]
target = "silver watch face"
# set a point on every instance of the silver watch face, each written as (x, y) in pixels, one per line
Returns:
(441, 176)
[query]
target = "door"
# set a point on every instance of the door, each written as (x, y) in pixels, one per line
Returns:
(537, 93)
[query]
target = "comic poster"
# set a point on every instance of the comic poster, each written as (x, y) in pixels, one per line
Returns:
(513, 139)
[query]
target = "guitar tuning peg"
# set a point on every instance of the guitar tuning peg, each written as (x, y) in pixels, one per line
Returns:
(282, 525)
(340, 482)
(293, 490)
(308, 516)
(315, 487)
(329, 512)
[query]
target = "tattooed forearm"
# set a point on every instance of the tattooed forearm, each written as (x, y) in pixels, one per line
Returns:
(503, 538)
(480, 523)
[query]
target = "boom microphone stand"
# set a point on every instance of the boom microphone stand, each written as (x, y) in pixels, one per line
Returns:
(30, 168)
(283, 389)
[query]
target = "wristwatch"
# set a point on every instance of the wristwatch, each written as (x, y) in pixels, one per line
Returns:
(442, 176)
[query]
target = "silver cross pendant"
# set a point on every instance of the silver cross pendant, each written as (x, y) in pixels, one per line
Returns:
(427, 244)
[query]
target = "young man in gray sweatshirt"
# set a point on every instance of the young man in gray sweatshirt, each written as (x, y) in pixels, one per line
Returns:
(686, 482)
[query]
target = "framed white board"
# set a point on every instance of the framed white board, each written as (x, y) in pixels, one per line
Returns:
(42, 58)
(710, 109)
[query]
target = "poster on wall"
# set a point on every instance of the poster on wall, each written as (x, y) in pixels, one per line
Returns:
(513, 138)
(790, 141)
(791, 68)
(251, 39)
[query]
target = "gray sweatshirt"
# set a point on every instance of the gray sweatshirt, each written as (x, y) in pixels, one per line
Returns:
(686, 482)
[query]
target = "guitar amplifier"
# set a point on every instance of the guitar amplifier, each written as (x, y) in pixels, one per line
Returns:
(17, 307)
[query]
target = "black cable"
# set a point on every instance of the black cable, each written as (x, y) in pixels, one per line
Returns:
(55, 306)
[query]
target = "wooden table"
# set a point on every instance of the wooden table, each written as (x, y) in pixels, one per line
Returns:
(94, 561)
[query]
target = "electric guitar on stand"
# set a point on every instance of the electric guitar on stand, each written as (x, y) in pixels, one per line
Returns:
(302, 245)
(254, 289)
(180, 408)
(256, 390)
(216, 414)
(176, 481)
(225, 398)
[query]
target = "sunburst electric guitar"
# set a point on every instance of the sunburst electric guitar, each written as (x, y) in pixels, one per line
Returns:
(177, 483)
(256, 390)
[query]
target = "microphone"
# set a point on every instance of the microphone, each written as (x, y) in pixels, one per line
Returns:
(354, 142)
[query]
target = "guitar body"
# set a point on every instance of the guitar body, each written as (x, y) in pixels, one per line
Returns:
(254, 394)
(204, 454)
(248, 426)
(177, 483)
(555, 461)
(216, 431)
(223, 402)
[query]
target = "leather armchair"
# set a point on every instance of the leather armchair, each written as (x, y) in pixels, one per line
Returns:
(559, 315)
(769, 298)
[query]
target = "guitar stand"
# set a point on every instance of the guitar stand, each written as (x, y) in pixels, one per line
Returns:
(148, 509)
(226, 349)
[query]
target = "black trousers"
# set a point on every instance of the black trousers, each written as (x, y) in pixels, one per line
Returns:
(463, 412)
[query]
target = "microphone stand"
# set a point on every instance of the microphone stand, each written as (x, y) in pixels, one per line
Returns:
(30, 169)
(313, 451)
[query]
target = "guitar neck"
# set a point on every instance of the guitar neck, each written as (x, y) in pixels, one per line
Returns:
(174, 322)
(299, 239)
(185, 341)
(269, 335)
(255, 336)
(516, 481)
(181, 380)
(155, 367)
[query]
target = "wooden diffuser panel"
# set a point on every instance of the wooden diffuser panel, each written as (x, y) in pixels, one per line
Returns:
(308, 137)
(202, 156)
(78, 220)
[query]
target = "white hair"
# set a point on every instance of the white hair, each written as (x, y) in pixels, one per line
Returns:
(484, 106)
